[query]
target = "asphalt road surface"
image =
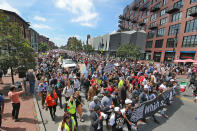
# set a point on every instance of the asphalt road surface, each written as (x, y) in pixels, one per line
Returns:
(181, 116)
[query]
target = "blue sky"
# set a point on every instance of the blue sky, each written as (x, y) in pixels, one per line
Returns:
(60, 19)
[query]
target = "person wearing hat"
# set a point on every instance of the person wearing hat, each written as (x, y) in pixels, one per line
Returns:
(116, 120)
(94, 103)
(92, 92)
(14, 96)
(127, 113)
(96, 120)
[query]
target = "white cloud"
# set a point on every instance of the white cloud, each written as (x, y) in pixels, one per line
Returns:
(39, 18)
(6, 6)
(83, 9)
(41, 26)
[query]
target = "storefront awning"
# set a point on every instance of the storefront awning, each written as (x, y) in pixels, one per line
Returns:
(188, 51)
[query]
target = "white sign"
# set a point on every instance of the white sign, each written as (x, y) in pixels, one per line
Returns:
(108, 68)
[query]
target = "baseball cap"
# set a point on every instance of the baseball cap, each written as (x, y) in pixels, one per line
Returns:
(172, 80)
(95, 98)
(117, 109)
(128, 101)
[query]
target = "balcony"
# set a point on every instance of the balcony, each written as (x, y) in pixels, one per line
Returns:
(143, 8)
(154, 9)
(153, 26)
(142, 23)
(193, 13)
(127, 19)
(173, 9)
(135, 7)
(120, 21)
(120, 26)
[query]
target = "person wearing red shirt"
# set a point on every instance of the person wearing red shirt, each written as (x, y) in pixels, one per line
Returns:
(51, 102)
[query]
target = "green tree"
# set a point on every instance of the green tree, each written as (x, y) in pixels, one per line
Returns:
(15, 51)
(43, 47)
(74, 44)
(128, 50)
(87, 48)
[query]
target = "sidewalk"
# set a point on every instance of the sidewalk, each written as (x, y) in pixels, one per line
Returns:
(27, 115)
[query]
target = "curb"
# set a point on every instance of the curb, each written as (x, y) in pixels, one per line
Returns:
(39, 115)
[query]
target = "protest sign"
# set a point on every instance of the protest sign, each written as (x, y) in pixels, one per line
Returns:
(149, 108)
(108, 68)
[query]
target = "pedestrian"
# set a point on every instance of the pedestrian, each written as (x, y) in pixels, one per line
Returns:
(70, 107)
(43, 90)
(14, 96)
(58, 90)
(116, 120)
(31, 78)
(51, 103)
(96, 120)
(79, 102)
(92, 92)
(1, 76)
(1, 108)
(68, 123)
(94, 103)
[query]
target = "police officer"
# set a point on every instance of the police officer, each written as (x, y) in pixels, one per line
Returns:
(116, 121)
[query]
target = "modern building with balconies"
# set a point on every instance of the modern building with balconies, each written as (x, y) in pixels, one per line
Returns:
(170, 26)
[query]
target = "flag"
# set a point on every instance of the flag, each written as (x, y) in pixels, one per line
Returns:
(183, 86)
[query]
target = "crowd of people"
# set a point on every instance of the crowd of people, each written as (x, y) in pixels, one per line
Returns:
(112, 93)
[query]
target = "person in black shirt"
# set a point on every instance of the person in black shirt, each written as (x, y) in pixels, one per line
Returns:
(79, 102)
(86, 86)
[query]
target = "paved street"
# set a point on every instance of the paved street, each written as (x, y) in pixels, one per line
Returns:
(181, 114)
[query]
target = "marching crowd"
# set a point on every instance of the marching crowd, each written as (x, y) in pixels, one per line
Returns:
(112, 94)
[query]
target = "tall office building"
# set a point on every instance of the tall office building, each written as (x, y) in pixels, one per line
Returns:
(170, 25)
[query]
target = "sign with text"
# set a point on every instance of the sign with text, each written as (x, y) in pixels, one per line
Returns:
(109, 68)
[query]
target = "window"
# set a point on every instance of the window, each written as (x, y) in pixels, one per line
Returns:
(191, 26)
(153, 24)
(163, 12)
(163, 21)
(190, 41)
(161, 32)
(145, 20)
(153, 17)
(149, 44)
(190, 10)
(174, 29)
(151, 34)
(159, 44)
(165, 2)
(176, 17)
(171, 43)
(179, 4)
(192, 1)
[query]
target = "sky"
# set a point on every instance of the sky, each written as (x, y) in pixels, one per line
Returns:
(61, 19)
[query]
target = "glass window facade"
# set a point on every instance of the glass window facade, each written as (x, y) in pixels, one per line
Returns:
(163, 12)
(161, 32)
(193, 1)
(145, 20)
(163, 21)
(153, 17)
(176, 17)
(149, 44)
(165, 2)
(171, 43)
(173, 29)
(191, 26)
(159, 44)
(179, 4)
(190, 10)
(190, 41)
(151, 34)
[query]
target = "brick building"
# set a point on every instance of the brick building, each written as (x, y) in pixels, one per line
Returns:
(51, 44)
(170, 25)
(43, 39)
(14, 17)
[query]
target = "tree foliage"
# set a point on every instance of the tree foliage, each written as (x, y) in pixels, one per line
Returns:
(15, 51)
(74, 44)
(129, 50)
(43, 47)
(87, 48)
